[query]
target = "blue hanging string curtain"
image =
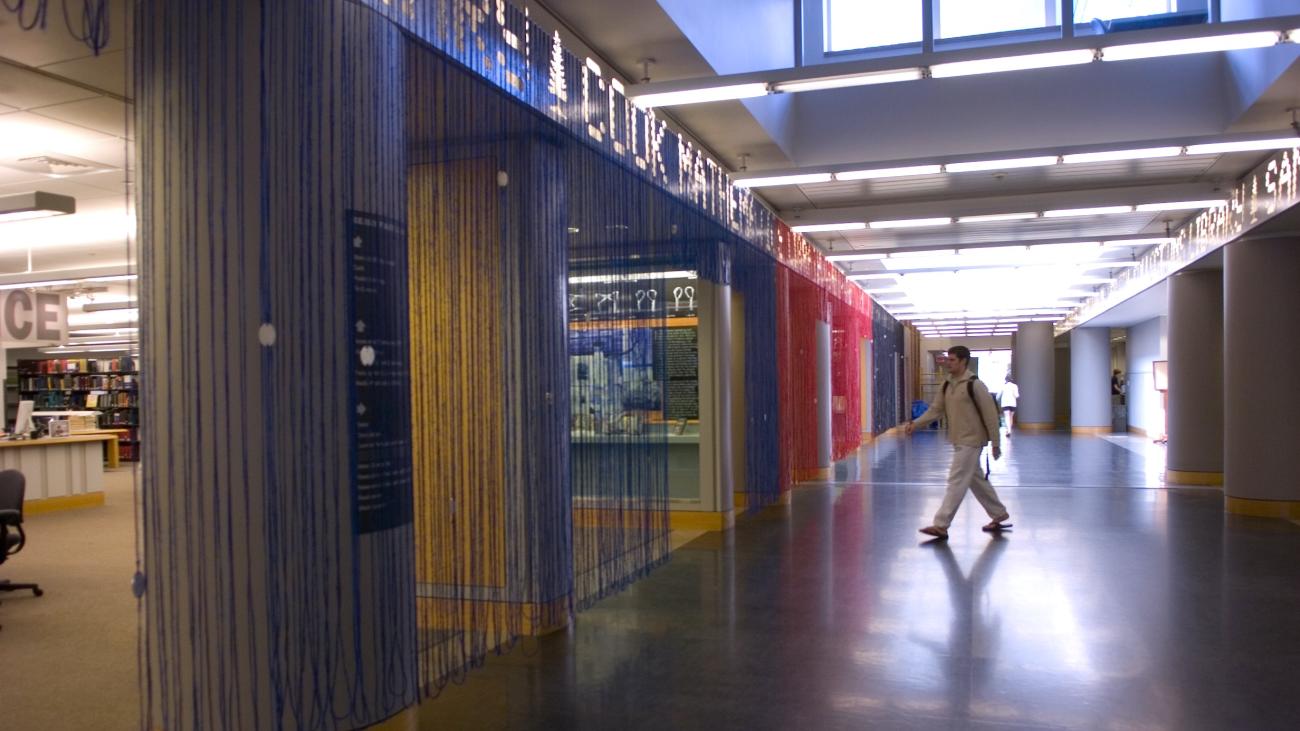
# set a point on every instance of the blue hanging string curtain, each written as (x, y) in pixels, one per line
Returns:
(754, 282)
(435, 289)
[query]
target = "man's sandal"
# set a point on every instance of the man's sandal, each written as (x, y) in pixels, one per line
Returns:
(935, 531)
(998, 525)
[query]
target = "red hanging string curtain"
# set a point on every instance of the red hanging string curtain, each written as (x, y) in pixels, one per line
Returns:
(811, 289)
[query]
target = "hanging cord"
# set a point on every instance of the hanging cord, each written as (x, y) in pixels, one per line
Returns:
(93, 26)
(39, 10)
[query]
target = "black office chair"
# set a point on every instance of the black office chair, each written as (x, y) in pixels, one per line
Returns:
(12, 537)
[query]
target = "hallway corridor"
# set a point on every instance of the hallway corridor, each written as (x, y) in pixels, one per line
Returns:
(1114, 604)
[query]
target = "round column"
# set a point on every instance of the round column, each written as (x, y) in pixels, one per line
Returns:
(278, 556)
(1195, 413)
(1035, 367)
(1090, 411)
(825, 421)
(1260, 426)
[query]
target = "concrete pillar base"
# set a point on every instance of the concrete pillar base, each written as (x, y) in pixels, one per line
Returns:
(1036, 426)
(1188, 477)
(1286, 509)
(1094, 430)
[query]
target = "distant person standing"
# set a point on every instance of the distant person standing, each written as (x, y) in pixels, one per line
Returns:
(1010, 397)
(972, 423)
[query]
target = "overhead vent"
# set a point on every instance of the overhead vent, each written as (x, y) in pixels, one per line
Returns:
(59, 166)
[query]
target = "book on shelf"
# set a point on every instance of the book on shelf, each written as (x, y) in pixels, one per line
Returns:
(109, 386)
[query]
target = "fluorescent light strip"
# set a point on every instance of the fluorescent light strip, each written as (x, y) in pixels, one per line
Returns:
(1181, 205)
(817, 227)
(1101, 211)
(851, 257)
(1181, 46)
(104, 330)
(630, 277)
(784, 180)
(46, 283)
(1013, 63)
(902, 172)
(840, 82)
(1109, 264)
(1136, 242)
(1218, 148)
(1007, 164)
(1113, 155)
(700, 96)
(66, 282)
(997, 217)
(878, 275)
(911, 223)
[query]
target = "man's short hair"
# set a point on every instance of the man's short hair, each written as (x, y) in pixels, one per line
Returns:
(960, 352)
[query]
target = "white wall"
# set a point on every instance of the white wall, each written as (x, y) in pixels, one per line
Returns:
(1147, 343)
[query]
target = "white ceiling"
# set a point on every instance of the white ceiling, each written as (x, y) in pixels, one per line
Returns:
(1008, 115)
(60, 100)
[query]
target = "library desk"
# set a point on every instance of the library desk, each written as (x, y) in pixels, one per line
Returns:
(61, 469)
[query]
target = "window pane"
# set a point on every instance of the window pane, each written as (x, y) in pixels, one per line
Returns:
(1086, 10)
(959, 18)
(853, 24)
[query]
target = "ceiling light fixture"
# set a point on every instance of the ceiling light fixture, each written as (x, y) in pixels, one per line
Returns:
(1007, 164)
(1136, 242)
(997, 217)
(700, 96)
(1013, 63)
(1218, 148)
(911, 223)
(1115, 155)
(630, 277)
(800, 179)
(901, 172)
(840, 82)
(872, 277)
(1099, 211)
(37, 204)
(1181, 205)
(45, 283)
(1182, 46)
(817, 227)
(851, 257)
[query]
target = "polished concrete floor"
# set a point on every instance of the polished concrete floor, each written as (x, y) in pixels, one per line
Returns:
(1114, 604)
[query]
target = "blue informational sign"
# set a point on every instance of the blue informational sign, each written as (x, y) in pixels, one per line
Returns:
(379, 333)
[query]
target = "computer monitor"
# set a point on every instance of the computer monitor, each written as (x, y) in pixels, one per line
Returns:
(23, 423)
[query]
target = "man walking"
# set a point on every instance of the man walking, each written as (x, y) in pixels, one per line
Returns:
(972, 423)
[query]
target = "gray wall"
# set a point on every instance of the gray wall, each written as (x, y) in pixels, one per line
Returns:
(1146, 344)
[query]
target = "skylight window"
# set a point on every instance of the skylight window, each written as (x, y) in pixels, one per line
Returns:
(856, 24)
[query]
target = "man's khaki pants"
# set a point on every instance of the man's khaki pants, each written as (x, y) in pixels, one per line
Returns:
(967, 472)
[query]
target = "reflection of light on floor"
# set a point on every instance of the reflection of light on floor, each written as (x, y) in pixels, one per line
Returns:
(856, 703)
(1048, 621)
(872, 658)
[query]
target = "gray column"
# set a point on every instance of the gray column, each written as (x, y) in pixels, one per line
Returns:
(1035, 366)
(1195, 413)
(715, 399)
(1090, 380)
(1260, 426)
(825, 436)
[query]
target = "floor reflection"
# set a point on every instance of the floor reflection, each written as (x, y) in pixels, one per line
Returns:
(1106, 607)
